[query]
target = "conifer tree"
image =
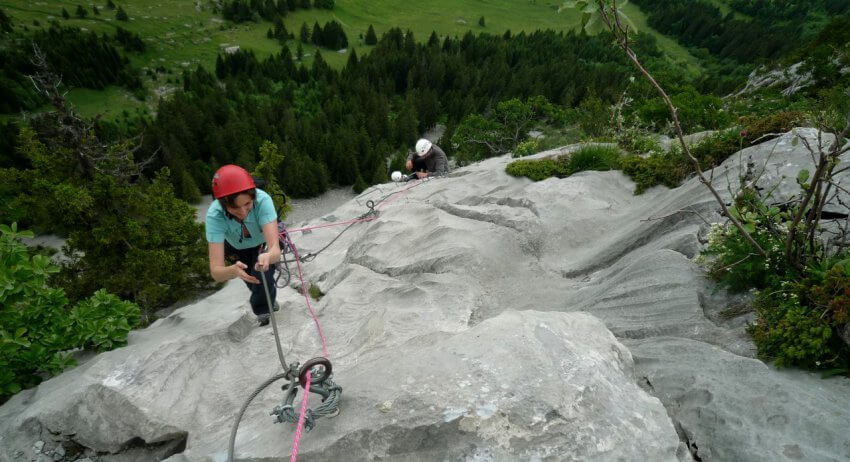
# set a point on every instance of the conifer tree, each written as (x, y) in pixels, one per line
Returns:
(371, 39)
(304, 35)
(110, 4)
(5, 22)
(121, 15)
(481, 21)
(81, 12)
(316, 34)
(65, 14)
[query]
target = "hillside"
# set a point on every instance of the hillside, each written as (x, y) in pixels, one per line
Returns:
(183, 34)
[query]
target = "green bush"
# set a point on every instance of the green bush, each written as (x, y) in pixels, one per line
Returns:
(102, 322)
(798, 314)
(792, 334)
(697, 112)
(537, 169)
(36, 329)
(315, 292)
(734, 261)
(527, 148)
(671, 168)
(797, 322)
(660, 168)
(600, 158)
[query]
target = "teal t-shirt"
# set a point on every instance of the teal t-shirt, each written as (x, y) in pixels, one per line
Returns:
(220, 228)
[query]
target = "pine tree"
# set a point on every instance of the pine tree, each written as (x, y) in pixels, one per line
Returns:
(81, 12)
(282, 8)
(481, 21)
(5, 22)
(65, 14)
(299, 52)
(433, 40)
(121, 15)
(304, 35)
(371, 39)
(316, 35)
(110, 5)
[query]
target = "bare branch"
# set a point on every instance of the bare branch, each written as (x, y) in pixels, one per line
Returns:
(621, 35)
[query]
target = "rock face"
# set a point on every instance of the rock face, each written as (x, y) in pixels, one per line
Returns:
(479, 317)
(791, 80)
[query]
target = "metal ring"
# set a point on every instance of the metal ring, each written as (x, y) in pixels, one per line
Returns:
(370, 203)
(311, 363)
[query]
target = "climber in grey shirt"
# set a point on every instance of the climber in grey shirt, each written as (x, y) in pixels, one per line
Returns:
(427, 160)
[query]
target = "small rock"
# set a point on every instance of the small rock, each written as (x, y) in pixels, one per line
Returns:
(59, 451)
(38, 446)
(386, 406)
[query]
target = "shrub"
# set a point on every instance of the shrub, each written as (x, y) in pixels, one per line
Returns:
(527, 148)
(670, 169)
(538, 169)
(797, 316)
(790, 333)
(600, 158)
(661, 168)
(735, 262)
(696, 111)
(102, 322)
(777, 122)
(315, 292)
(36, 329)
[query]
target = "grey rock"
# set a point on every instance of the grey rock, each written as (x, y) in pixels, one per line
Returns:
(435, 316)
(718, 404)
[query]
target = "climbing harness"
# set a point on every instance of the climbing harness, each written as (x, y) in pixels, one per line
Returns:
(314, 376)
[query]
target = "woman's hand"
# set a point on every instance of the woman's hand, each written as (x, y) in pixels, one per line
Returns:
(263, 262)
(408, 165)
(242, 274)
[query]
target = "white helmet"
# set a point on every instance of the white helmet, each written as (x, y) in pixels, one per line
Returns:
(422, 147)
(396, 176)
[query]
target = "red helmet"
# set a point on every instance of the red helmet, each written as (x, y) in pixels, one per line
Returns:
(231, 179)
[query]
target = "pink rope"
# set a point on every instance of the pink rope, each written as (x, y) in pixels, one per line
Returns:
(307, 298)
(293, 455)
(397, 194)
(328, 225)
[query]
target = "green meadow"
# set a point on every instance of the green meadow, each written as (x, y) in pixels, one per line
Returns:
(181, 34)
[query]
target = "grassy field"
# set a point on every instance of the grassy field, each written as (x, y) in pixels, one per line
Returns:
(182, 34)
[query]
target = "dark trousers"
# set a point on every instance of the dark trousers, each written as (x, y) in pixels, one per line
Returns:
(419, 164)
(259, 304)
